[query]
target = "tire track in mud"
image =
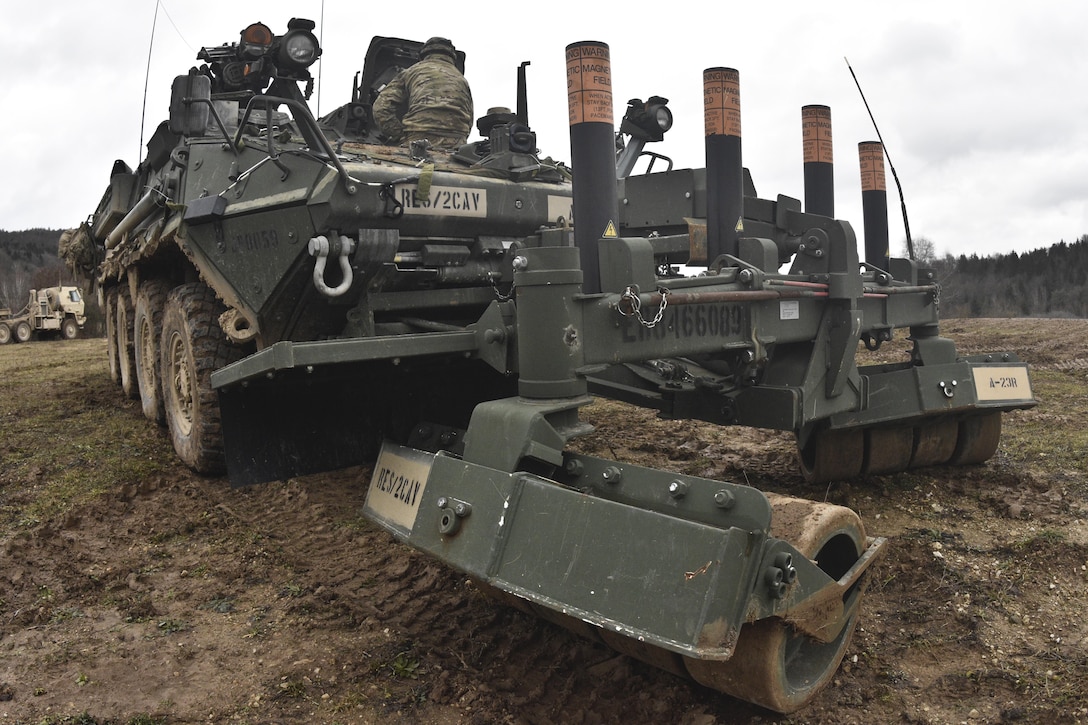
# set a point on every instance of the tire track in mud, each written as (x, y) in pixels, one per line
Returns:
(478, 655)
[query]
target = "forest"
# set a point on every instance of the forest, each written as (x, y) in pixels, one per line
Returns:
(1046, 282)
(1051, 282)
(28, 260)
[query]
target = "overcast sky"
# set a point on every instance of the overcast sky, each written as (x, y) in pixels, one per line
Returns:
(981, 105)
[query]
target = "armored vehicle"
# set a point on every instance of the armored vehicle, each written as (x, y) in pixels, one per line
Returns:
(289, 294)
(53, 311)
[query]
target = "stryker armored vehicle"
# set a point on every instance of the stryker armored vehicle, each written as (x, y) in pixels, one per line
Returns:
(289, 294)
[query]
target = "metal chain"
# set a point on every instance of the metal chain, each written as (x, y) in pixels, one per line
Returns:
(630, 296)
(498, 293)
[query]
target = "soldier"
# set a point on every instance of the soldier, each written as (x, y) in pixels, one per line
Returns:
(429, 100)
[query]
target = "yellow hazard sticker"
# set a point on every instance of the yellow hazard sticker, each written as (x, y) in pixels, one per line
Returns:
(610, 230)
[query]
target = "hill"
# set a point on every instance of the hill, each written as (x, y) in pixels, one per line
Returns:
(28, 260)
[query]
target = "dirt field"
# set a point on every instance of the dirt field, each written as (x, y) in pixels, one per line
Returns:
(134, 592)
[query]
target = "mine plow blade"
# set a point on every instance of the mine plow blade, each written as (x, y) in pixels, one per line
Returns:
(706, 565)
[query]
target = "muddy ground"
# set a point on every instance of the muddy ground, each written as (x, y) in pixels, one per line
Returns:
(133, 591)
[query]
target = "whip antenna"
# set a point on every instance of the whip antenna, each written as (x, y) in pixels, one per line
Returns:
(902, 200)
(147, 76)
(320, 65)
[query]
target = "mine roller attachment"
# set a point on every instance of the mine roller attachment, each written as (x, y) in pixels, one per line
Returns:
(947, 413)
(753, 595)
(831, 455)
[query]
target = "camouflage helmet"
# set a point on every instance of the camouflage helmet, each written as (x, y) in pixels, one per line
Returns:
(438, 45)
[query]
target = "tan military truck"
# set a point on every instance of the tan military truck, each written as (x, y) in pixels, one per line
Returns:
(52, 311)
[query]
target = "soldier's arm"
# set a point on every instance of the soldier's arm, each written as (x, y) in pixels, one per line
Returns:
(389, 107)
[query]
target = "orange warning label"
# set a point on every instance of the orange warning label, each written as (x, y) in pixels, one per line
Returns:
(816, 134)
(589, 83)
(871, 158)
(721, 102)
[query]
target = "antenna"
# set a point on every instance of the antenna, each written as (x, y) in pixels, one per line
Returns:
(320, 65)
(147, 77)
(902, 201)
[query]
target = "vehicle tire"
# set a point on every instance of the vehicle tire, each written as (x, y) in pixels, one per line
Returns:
(69, 329)
(23, 331)
(193, 346)
(147, 327)
(126, 347)
(5, 334)
(111, 334)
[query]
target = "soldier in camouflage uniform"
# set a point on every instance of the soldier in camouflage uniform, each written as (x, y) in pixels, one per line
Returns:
(429, 100)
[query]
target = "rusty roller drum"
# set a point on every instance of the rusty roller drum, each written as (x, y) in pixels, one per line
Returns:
(773, 665)
(978, 439)
(832, 455)
(934, 442)
(887, 450)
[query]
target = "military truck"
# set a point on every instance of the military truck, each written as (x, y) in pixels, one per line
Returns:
(287, 295)
(56, 311)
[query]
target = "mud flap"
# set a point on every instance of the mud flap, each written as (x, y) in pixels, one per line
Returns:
(300, 427)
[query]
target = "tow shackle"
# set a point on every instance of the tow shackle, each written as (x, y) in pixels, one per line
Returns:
(322, 248)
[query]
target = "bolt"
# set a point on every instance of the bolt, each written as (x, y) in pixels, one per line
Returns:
(520, 263)
(678, 488)
(442, 502)
(775, 579)
(612, 475)
(745, 275)
(462, 509)
(784, 561)
(573, 467)
(448, 523)
(725, 499)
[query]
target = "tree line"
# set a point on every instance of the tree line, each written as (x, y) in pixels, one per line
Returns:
(1049, 282)
(1046, 282)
